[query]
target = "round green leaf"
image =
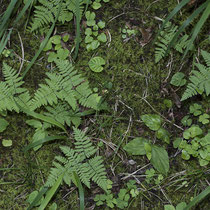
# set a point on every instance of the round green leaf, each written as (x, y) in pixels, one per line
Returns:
(178, 79)
(55, 39)
(96, 5)
(102, 37)
(101, 24)
(88, 31)
(88, 39)
(6, 143)
(96, 64)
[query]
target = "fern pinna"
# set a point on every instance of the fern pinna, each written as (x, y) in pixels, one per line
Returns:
(79, 161)
(200, 79)
(46, 11)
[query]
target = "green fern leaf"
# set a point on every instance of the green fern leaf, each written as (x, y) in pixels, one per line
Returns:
(199, 80)
(11, 92)
(77, 161)
(83, 145)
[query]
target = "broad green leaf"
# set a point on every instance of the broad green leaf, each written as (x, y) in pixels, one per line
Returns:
(96, 5)
(181, 206)
(192, 132)
(96, 64)
(88, 31)
(7, 143)
(203, 162)
(178, 79)
(65, 37)
(88, 39)
(62, 53)
(185, 155)
(3, 124)
(163, 134)
(160, 159)
(177, 142)
(102, 37)
(153, 121)
(101, 24)
(204, 118)
(136, 146)
(55, 39)
(169, 207)
(48, 46)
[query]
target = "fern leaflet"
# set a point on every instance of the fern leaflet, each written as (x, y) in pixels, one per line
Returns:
(200, 80)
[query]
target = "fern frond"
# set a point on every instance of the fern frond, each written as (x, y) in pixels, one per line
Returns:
(206, 57)
(76, 160)
(73, 81)
(97, 171)
(83, 145)
(164, 39)
(200, 80)
(11, 91)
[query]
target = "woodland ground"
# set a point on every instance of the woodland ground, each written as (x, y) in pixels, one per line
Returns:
(132, 85)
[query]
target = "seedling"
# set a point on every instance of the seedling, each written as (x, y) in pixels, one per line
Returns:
(55, 44)
(93, 38)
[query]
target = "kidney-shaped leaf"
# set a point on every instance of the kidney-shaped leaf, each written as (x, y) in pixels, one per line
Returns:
(136, 146)
(96, 63)
(160, 159)
(153, 121)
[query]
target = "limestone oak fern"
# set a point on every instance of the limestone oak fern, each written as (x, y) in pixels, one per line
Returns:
(64, 92)
(200, 79)
(79, 161)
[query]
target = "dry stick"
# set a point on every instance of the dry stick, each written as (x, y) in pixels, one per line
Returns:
(23, 55)
(132, 174)
(128, 128)
(161, 115)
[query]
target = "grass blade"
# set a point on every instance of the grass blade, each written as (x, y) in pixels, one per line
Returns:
(77, 29)
(171, 15)
(51, 192)
(43, 44)
(48, 138)
(185, 24)
(37, 198)
(198, 198)
(81, 192)
(4, 19)
(199, 25)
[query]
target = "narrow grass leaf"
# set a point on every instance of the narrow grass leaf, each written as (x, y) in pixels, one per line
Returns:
(185, 24)
(81, 192)
(199, 25)
(171, 15)
(37, 198)
(77, 29)
(47, 139)
(43, 44)
(4, 19)
(198, 198)
(51, 192)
